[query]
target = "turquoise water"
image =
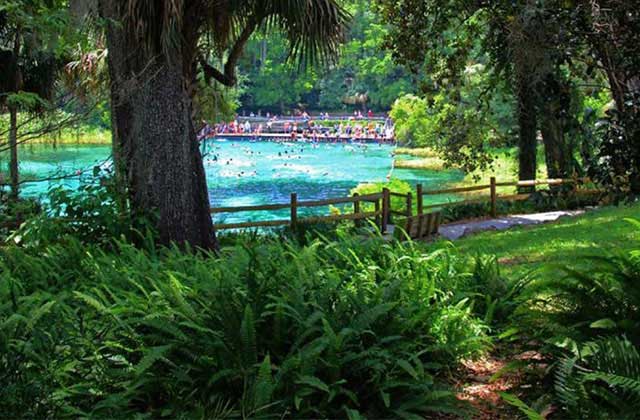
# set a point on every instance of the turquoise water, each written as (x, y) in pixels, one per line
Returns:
(250, 173)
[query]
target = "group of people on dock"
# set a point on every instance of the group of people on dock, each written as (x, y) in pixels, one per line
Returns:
(308, 128)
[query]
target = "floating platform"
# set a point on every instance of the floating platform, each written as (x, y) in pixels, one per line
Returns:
(298, 137)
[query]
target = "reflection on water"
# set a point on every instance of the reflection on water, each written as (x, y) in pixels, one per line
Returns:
(247, 173)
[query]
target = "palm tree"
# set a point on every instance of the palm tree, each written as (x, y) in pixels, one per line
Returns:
(155, 53)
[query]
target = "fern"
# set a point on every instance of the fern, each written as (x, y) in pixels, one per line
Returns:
(320, 330)
(604, 379)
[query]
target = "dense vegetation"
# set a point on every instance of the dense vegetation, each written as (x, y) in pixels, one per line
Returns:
(363, 70)
(556, 63)
(119, 300)
(329, 326)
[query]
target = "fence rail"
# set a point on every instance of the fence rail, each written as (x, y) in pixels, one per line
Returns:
(382, 203)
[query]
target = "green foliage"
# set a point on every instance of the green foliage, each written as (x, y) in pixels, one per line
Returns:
(215, 102)
(458, 132)
(541, 201)
(94, 213)
(394, 185)
(602, 381)
(520, 405)
(412, 125)
(15, 212)
(603, 299)
(331, 329)
(53, 127)
(362, 68)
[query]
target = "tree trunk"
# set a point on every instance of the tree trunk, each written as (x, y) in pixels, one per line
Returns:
(553, 130)
(555, 155)
(555, 108)
(527, 123)
(14, 175)
(156, 151)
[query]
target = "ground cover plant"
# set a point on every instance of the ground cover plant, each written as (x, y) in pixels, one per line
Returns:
(317, 324)
(577, 312)
(333, 328)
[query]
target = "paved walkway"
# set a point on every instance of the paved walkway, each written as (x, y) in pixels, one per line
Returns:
(458, 230)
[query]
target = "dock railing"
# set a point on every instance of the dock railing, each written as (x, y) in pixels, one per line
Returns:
(381, 201)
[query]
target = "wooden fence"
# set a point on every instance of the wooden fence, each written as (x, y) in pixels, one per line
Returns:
(379, 200)
(382, 204)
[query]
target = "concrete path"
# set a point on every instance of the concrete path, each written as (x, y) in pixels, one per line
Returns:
(459, 230)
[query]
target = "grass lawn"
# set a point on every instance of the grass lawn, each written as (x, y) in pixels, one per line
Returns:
(560, 243)
(504, 166)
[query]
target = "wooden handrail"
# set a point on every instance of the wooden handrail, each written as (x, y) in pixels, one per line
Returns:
(341, 200)
(456, 190)
(396, 194)
(382, 204)
(311, 203)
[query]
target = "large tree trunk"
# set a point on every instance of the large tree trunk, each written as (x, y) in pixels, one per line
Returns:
(14, 175)
(554, 124)
(155, 146)
(554, 148)
(527, 124)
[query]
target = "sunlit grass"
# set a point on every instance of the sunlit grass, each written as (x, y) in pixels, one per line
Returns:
(549, 246)
(417, 152)
(504, 167)
(71, 137)
(427, 164)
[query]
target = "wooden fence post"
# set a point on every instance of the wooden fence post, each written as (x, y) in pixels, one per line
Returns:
(294, 210)
(409, 204)
(494, 212)
(386, 204)
(419, 197)
(356, 208)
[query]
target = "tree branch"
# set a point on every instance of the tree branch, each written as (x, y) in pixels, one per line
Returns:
(228, 78)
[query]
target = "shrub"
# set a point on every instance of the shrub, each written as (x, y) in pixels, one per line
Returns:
(15, 212)
(394, 185)
(538, 202)
(267, 329)
(601, 381)
(589, 320)
(92, 213)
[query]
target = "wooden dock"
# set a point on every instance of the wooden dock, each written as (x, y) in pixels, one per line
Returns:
(283, 137)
